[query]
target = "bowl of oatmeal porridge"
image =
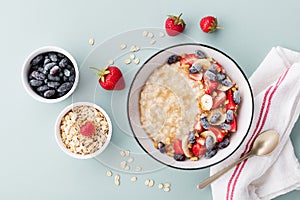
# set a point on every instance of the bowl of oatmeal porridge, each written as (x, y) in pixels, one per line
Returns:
(190, 106)
(83, 130)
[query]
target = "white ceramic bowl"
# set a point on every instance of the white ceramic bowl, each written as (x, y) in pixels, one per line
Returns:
(26, 68)
(245, 113)
(58, 133)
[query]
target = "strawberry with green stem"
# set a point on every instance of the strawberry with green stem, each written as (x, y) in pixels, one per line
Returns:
(174, 25)
(110, 78)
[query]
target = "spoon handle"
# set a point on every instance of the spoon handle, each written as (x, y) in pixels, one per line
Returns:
(209, 180)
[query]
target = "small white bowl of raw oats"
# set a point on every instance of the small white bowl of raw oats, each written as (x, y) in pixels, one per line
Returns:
(83, 130)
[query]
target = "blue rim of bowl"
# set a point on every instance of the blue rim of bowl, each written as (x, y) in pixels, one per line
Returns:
(178, 45)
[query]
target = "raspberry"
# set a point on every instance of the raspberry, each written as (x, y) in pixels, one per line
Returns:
(88, 129)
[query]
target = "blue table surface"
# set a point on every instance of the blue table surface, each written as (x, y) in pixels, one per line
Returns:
(33, 167)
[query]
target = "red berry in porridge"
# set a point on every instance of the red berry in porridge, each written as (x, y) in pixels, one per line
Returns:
(188, 107)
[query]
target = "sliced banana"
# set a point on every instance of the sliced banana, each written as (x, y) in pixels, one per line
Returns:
(223, 87)
(204, 63)
(185, 147)
(206, 102)
(221, 119)
(209, 133)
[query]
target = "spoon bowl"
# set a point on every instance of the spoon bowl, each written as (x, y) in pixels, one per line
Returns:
(265, 143)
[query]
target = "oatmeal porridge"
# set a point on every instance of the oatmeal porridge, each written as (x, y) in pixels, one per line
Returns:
(188, 107)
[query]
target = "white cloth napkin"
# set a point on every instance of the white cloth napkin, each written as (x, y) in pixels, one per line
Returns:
(276, 89)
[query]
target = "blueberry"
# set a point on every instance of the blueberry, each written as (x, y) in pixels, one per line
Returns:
(225, 126)
(213, 68)
(60, 55)
(192, 137)
(60, 94)
(229, 116)
(161, 147)
(53, 84)
(65, 79)
(46, 61)
(61, 74)
(211, 153)
(37, 59)
(49, 66)
(224, 143)
(221, 76)
(63, 63)
(38, 75)
(42, 88)
(200, 53)
(67, 72)
(204, 122)
(40, 69)
(173, 59)
(35, 83)
(179, 157)
(215, 117)
(55, 70)
(49, 93)
(236, 97)
(227, 83)
(53, 78)
(209, 142)
(72, 78)
(195, 69)
(53, 56)
(65, 87)
(210, 75)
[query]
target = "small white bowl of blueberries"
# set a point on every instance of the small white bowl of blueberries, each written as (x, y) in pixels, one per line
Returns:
(50, 74)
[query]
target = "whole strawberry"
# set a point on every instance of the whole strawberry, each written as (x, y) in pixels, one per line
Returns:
(174, 25)
(209, 24)
(110, 78)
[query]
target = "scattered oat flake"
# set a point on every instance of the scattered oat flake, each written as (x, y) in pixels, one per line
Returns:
(138, 169)
(150, 35)
(167, 185)
(123, 164)
(132, 56)
(127, 152)
(145, 33)
(130, 160)
(127, 167)
(123, 46)
(122, 153)
(136, 61)
(133, 179)
(111, 62)
(151, 183)
(147, 182)
(127, 61)
(109, 173)
(161, 34)
(117, 180)
(166, 189)
(160, 186)
(152, 41)
(91, 41)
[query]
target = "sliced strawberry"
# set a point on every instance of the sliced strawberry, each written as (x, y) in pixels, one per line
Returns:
(198, 149)
(178, 147)
(233, 125)
(198, 127)
(219, 99)
(210, 85)
(196, 77)
(219, 67)
(200, 140)
(230, 105)
(189, 59)
(220, 134)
